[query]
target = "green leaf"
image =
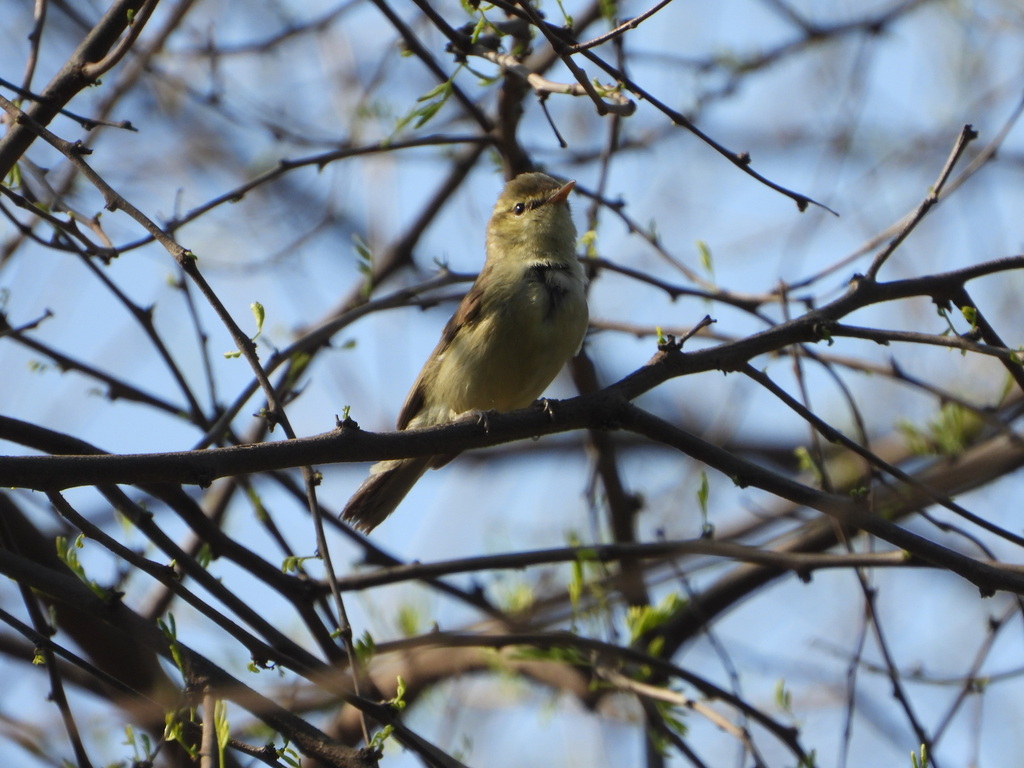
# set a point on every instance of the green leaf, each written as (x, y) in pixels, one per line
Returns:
(408, 621)
(68, 554)
(381, 736)
(431, 102)
(707, 529)
(223, 728)
(297, 365)
(588, 242)
(806, 463)
(205, 555)
(478, 28)
(174, 730)
(364, 263)
(14, 178)
(424, 115)
(575, 586)
(260, 314)
(289, 756)
(365, 648)
(704, 252)
(170, 630)
(578, 581)
(295, 563)
(398, 700)
(947, 434)
(643, 619)
(670, 714)
(783, 697)
(517, 598)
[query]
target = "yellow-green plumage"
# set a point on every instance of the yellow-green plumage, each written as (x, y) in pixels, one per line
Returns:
(524, 317)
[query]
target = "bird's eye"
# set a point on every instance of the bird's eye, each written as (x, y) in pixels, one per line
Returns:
(519, 209)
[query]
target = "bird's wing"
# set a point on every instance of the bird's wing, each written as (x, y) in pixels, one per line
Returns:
(465, 315)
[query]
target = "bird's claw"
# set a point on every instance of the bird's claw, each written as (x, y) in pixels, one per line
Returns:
(548, 406)
(482, 418)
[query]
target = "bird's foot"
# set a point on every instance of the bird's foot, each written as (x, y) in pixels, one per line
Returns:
(476, 416)
(548, 406)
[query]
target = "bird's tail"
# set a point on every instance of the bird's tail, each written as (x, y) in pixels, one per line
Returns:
(382, 491)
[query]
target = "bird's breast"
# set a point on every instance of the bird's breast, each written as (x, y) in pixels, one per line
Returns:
(518, 345)
(550, 287)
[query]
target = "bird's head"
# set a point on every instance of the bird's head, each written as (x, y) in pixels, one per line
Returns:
(531, 220)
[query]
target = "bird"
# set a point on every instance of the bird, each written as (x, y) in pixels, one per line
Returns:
(523, 318)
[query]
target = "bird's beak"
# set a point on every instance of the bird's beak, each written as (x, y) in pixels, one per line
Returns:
(561, 193)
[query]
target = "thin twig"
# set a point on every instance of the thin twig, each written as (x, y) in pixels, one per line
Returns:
(620, 30)
(967, 135)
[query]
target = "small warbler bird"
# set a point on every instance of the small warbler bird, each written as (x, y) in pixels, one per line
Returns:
(522, 319)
